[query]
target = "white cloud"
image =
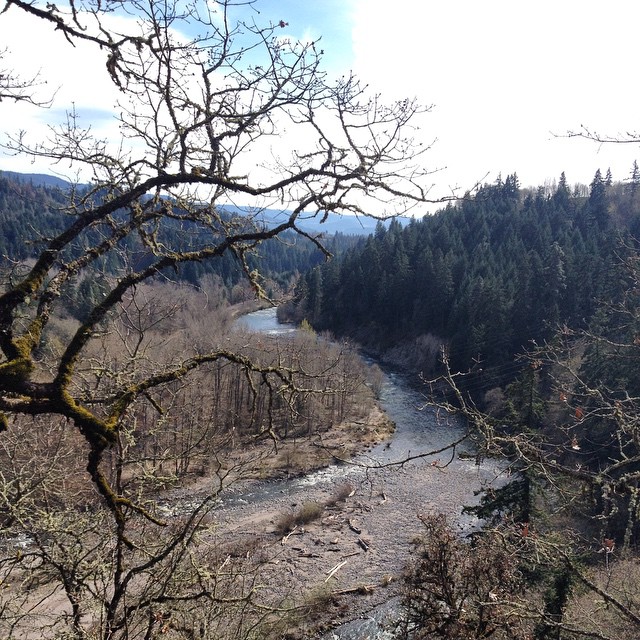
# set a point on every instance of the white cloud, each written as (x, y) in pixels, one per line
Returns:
(505, 77)
(75, 75)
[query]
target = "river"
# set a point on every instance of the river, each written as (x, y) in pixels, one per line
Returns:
(420, 429)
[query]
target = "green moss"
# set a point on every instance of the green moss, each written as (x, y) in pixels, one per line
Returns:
(96, 431)
(19, 368)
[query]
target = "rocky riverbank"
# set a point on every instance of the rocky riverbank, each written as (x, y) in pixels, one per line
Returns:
(350, 556)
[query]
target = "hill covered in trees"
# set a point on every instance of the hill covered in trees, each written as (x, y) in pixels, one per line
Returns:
(482, 278)
(31, 212)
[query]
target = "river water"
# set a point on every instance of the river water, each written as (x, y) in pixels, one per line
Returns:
(420, 429)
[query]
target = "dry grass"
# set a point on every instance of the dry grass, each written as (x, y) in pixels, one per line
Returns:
(308, 512)
(340, 495)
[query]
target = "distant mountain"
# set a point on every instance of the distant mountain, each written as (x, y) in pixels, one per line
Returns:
(31, 212)
(36, 179)
(345, 224)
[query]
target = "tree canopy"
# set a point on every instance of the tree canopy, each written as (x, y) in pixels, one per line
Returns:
(484, 277)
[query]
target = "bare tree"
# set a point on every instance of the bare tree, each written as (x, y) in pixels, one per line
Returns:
(20, 89)
(515, 582)
(192, 111)
(198, 117)
(457, 589)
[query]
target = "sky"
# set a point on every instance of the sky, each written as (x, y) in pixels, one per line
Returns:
(506, 80)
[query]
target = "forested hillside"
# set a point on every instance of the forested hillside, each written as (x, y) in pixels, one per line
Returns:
(31, 214)
(483, 277)
(28, 215)
(523, 307)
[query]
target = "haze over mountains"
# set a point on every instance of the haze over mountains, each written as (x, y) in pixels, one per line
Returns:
(346, 224)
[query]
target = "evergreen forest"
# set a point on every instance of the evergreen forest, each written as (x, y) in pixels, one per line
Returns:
(529, 295)
(486, 278)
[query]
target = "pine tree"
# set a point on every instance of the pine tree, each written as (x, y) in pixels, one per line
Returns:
(598, 206)
(635, 178)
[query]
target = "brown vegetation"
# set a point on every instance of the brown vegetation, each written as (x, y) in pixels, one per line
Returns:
(217, 427)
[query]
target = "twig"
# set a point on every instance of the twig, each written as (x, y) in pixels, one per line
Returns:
(335, 569)
(285, 538)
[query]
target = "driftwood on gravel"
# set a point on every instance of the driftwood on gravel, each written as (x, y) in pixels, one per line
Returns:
(363, 544)
(360, 588)
(293, 532)
(332, 572)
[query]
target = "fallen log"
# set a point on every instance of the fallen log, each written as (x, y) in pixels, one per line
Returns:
(361, 588)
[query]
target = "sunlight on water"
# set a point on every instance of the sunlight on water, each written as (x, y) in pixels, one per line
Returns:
(265, 322)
